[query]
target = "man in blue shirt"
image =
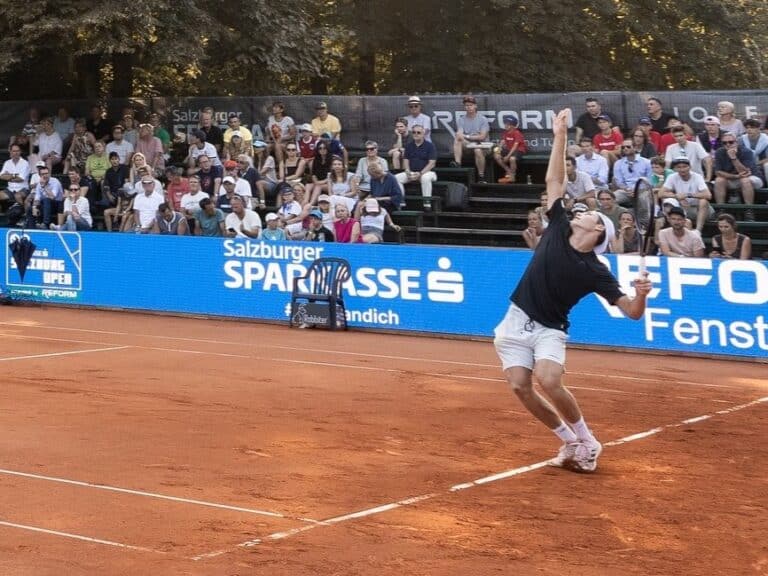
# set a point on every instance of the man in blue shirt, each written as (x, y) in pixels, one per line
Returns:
(385, 187)
(626, 172)
(48, 195)
(419, 159)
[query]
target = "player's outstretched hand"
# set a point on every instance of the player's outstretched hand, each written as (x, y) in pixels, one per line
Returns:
(560, 124)
(642, 285)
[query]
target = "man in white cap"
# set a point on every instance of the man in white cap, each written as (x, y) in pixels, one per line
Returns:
(145, 205)
(531, 337)
(417, 118)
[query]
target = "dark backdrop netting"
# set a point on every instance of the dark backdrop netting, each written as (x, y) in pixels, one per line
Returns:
(372, 117)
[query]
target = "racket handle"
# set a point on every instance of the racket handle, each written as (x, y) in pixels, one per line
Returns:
(642, 265)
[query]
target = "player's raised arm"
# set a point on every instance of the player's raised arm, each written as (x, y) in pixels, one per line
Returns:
(556, 170)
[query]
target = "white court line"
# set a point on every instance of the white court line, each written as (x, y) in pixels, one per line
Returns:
(347, 353)
(70, 353)
(467, 485)
(77, 537)
(152, 495)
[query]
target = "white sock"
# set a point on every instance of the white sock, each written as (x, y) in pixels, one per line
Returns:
(582, 431)
(565, 433)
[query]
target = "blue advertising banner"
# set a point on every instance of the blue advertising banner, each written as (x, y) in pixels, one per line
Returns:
(697, 305)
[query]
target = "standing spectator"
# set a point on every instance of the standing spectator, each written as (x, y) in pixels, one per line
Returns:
(120, 145)
(273, 232)
(213, 134)
(628, 239)
(593, 164)
(209, 220)
(317, 232)
(728, 120)
(98, 124)
(586, 124)
(281, 130)
(400, 139)
(77, 212)
(757, 142)
(736, 169)
(145, 205)
(419, 160)
(677, 240)
(710, 138)
(729, 243)
(626, 172)
(176, 188)
(242, 222)
(49, 145)
(15, 172)
(607, 142)
(659, 118)
(346, 229)
(362, 176)
(169, 222)
(511, 150)
(417, 118)
(233, 121)
(700, 161)
(690, 190)
(471, 130)
(47, 197)
(324, 122)
(150, 146)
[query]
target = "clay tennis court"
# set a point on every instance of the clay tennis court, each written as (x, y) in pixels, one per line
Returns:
(137, 444)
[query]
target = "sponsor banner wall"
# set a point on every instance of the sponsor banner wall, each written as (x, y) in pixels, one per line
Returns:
(373, 117)
(697, 306)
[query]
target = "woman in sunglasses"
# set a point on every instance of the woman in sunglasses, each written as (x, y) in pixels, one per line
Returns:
(321, 167)
(293, 166)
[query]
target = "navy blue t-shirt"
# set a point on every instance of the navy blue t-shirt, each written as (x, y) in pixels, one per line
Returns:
(419, 156)
(558, 276)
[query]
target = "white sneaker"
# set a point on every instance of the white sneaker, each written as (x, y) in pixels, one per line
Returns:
(586, 456)
(566, 456)
(53, 226)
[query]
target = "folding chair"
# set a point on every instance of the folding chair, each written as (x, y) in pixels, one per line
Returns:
(323, 304)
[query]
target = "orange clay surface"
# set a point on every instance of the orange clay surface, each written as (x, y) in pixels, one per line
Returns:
(144, 445)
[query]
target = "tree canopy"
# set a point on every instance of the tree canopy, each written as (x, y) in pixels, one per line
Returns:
(78, 49)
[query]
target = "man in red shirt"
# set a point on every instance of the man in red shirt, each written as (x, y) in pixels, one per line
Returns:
(512, 147)
(176, 188)
(608, 142)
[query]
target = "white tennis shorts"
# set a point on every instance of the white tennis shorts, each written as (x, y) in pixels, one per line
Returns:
(522, 342)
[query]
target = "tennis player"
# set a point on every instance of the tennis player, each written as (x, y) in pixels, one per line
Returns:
(531, 337)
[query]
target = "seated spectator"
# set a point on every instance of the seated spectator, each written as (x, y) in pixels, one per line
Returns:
(48, 198)
(224, 201)
(321, 167)
(159, 132)
(578, 185)
(710, 138)
(291, 213)
(242, 222)
(176, 188)
(210, 176)
(335, 147)
(627, 171)
(138, 188)
(76, 215)
(213, 134)
(209, 220)
(677, 240)
(152, 149)
(646, 125)
(130, 134)
(169, 222)
(325, 208)
(120, 145)
(593, 164)
(417, 118)
(667, 139)
(242, 188)
(758, 143)
(628, 239)
(535, 229)
(346, 229)
(15, 172)
(324, 122)
(736, 169)
(190, 202)
(96, 165)
(729, 243)
(281, 131)
(236, 146)
(542, 209)
(419, 160)
(659, 119)
(471, 130)
(293, 166)
(49, 145)
(234, 125)
(307, 142)
(399, 140)
(662, 220)
(179, 148)
(145, 205)
(317, 232)
(643, 144)
(247, 172)
(138, 161)
(700, 160)
(199, 147)
(98, 124)
(510, 150)
(586, 124)
(273, 232)
(362, 176)
(114, 180)
(690, 190)
(660, 173)
(728, 120)
(341, 182)
(385, 188)
(607, 142)
(373, 218)
(608, 206)
(64, 125)
(265, 166)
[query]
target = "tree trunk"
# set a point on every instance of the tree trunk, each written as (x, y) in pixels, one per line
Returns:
(88, 69)
(122, 75)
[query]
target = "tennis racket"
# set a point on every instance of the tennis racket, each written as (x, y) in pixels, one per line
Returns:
(645, 216)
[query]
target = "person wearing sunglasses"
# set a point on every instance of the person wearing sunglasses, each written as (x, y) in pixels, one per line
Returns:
(362, 176)
(76, 215)
(417, 118)
(626, 172)
(736, 171)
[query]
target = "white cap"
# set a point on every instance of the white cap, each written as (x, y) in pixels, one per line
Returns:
(228, 179)
(610, 232)
(414, 100)
(305, 127)
(372, 205)
(271, 216)
(236, 133)
(671, 201)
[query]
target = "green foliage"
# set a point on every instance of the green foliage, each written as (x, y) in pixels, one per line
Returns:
(73, 48)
